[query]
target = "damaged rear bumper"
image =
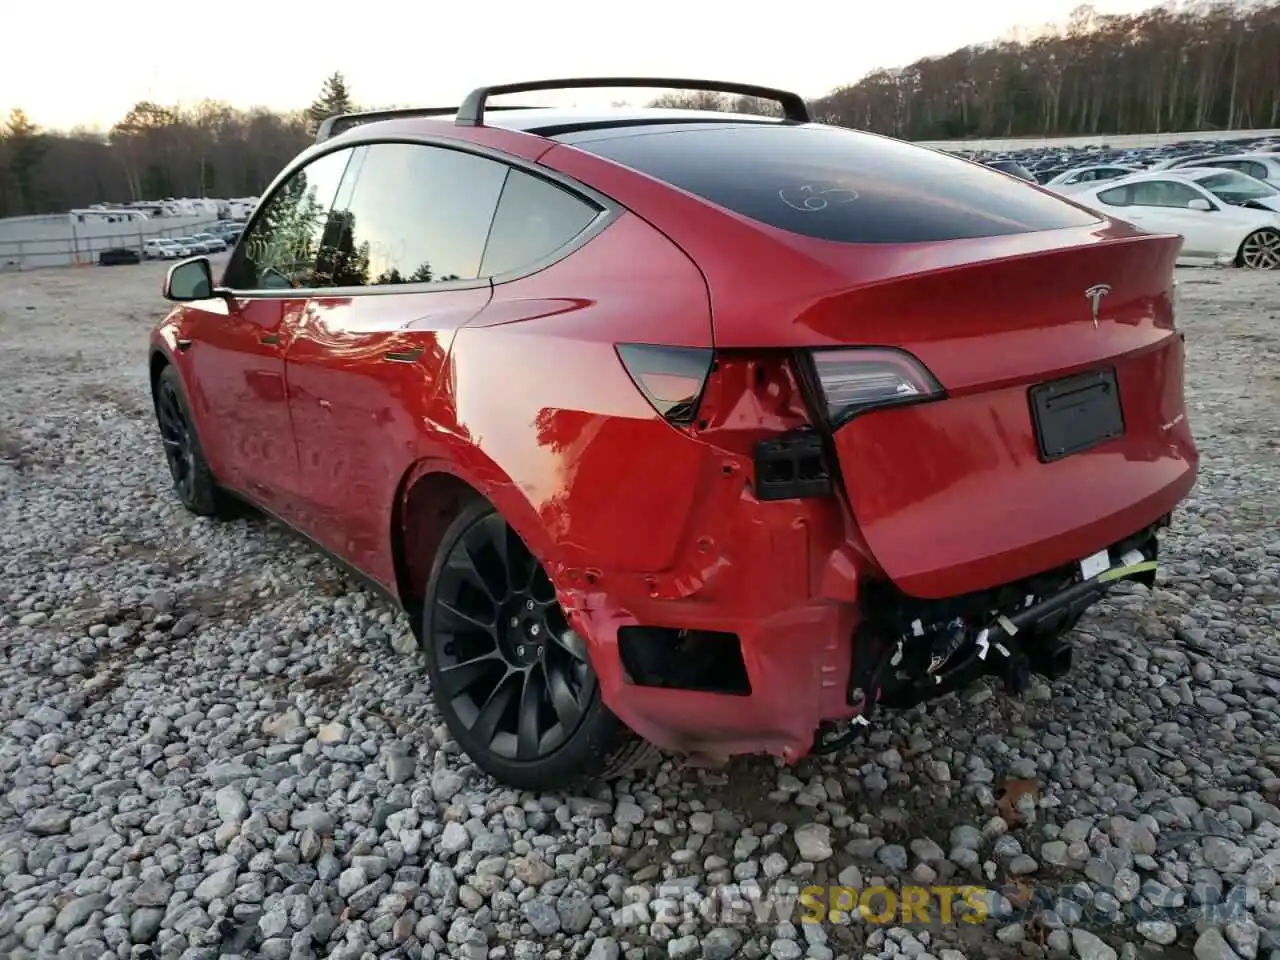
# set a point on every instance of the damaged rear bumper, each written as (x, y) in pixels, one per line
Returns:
(805, 680)
(1015, 642)
(797, 666)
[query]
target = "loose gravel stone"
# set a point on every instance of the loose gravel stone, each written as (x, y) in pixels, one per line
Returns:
(814, 842)
(213, 743)
(1090, 946)
(1157, 931)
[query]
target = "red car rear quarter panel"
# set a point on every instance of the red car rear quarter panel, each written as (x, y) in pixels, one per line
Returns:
(537, 388)
(610, 481)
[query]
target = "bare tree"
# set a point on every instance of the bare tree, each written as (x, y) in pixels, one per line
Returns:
(1198, 66)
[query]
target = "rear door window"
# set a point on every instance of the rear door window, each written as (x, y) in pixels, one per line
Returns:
(414, 214)
(1163, 193)
(835, 184)
(1117, 196)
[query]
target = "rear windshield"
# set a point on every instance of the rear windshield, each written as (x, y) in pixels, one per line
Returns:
(837, 184)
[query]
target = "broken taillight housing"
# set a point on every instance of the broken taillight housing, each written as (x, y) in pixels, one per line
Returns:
(671, 378)
(853, 380)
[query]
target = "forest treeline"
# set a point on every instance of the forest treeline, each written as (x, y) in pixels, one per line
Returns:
(1198, 66)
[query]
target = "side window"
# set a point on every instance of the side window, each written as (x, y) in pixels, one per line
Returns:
(1163, 193)
(535, 218)
(1116, 196)
(279, 250)
(416, 214)
(1256, 170)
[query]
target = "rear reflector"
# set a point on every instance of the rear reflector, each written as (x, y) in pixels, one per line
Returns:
(856, 379)
(671, 378)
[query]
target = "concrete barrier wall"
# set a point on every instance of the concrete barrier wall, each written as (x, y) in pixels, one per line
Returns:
(27, 243)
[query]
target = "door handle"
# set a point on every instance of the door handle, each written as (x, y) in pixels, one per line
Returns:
(404, 356)
(271, 339)
(184, 345)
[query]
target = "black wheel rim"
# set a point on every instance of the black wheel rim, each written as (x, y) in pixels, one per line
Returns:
(510, 667)
(175, 434)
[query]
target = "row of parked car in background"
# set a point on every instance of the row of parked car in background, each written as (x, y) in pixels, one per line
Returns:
(1222, 197)
(221, 236)
(218, 238)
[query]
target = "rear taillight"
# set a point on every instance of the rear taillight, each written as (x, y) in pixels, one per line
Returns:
(853, 380)
(671, 378)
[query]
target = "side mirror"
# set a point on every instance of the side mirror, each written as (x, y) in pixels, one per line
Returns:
(189, 280)
(1200, 203)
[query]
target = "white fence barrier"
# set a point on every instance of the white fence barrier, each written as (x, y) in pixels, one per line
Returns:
(28, 243)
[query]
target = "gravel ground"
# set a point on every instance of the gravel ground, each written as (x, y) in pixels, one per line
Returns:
(213, 744)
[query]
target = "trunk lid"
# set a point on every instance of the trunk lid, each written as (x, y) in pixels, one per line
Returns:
(977, 488)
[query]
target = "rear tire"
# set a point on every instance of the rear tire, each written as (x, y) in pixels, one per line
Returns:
(192, 479)
(1260, 250)
(510, 677)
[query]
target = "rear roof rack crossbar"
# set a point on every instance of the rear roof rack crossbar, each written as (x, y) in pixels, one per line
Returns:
(471, 113)
(339, 123)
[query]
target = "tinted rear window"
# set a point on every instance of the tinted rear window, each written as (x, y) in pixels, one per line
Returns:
(836, 184)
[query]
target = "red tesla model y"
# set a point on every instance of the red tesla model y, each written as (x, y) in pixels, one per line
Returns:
(709, 432)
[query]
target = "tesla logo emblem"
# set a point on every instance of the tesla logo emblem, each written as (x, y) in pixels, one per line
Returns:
(1094, 295)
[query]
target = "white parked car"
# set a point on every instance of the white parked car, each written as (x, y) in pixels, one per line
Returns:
(1082, 178)
(211, 242)
(161, 248)
(1260, 166)
(1234, 188)
(194, 245)
(1187, 160)
(1212, 231)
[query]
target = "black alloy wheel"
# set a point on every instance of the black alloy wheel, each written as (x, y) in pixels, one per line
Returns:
(192, 479)
(515, 672)
(175, 434)
(510, 675)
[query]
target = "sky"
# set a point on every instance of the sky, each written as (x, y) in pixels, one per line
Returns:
(276, 54)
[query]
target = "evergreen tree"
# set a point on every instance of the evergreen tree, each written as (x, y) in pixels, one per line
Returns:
(26, 147)
(334, 98)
